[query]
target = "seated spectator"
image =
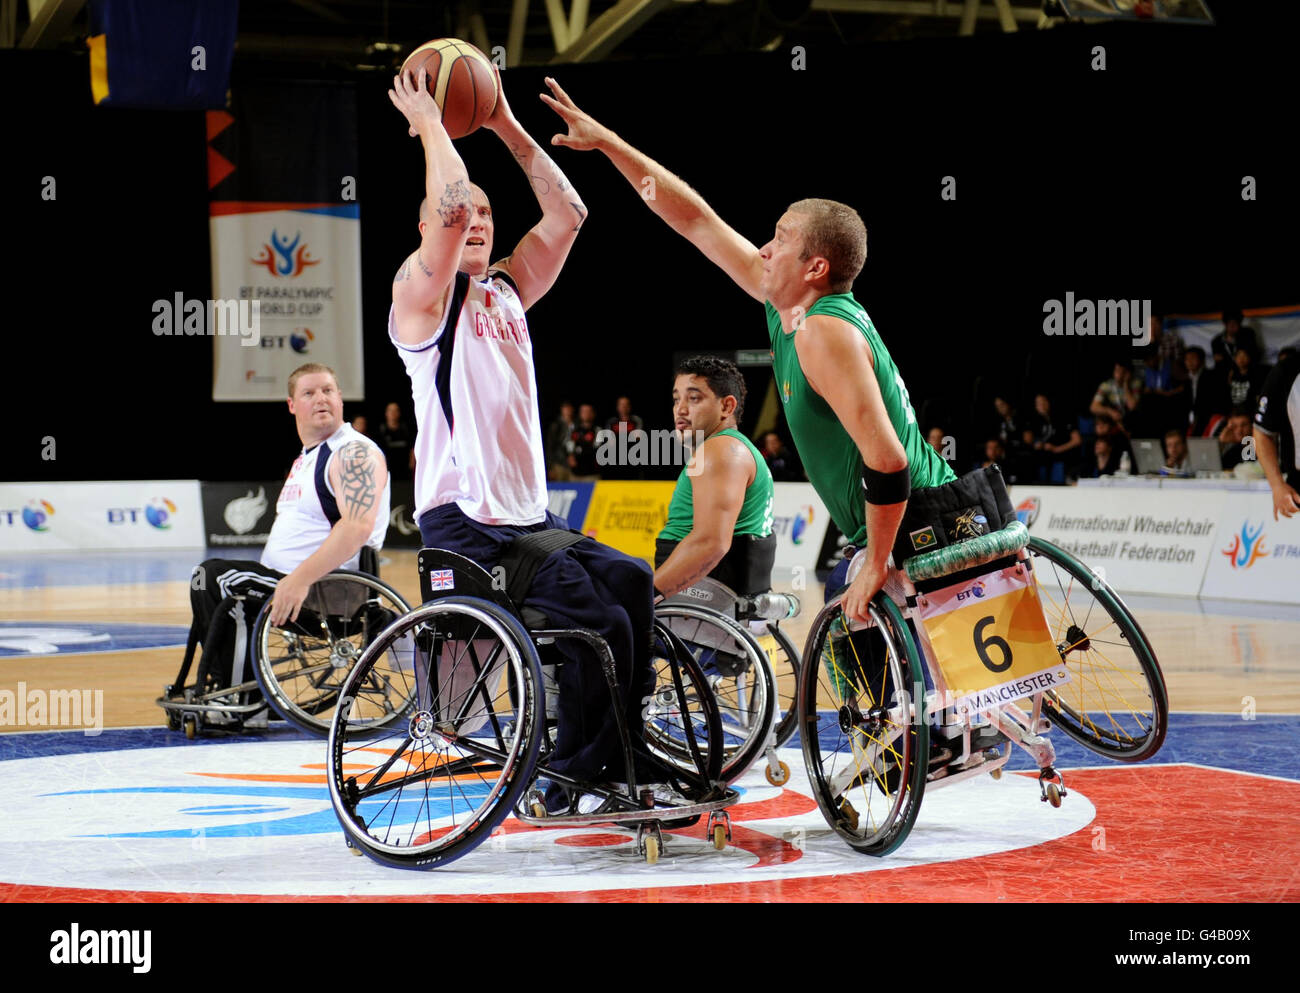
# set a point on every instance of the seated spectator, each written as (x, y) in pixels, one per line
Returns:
(397, 441)
(935, 437)
(582, 445)
(1104, 460)
(1010, 431)
(359, 424)
(1107, 427)
(1117, 396)
(1286, 354)
(995, 453)
(1055, 441)
(1233, 438)
(1234, 336)
(1207, 391)
(558, 441)
(781, 462)
(625, 425)
(1245, 379)
(1176, 457)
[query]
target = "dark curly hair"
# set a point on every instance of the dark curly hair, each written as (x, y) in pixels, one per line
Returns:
(723, 377)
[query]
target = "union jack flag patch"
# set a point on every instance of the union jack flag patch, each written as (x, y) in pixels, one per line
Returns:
(440, 579)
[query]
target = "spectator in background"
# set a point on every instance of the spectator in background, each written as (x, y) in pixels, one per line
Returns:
(1176, 459)
(1169, 346)
(781, 462)
(1207, 391)
(1287, 354)
(1010, 431)
(359, 424)
(558, 439)
(1107, 427)
(1245, 379)
(1234, 336)
(994, 454)
(625, 425)
(1117, 396)
(397, 441)
(937, 438)
(1104, 459)
(1232, 441)
(582, 445)
(1055, 441)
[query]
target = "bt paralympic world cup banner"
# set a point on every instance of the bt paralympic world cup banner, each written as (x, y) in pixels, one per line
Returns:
(69, 517)
(285, 228)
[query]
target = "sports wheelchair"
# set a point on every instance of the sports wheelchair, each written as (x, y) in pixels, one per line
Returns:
(751, 665)
(868, 713)
(298, 667)
(474, 742)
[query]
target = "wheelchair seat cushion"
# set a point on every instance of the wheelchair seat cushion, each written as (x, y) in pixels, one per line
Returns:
(968, 553)
(974, 505)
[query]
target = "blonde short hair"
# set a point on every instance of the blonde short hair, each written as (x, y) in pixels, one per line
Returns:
(307, 370)
(834, 231)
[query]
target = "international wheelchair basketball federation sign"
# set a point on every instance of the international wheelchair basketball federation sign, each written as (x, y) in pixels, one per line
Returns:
(991, 641)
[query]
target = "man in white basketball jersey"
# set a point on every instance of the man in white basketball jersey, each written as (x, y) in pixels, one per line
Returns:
(334, 503)
(459, 324)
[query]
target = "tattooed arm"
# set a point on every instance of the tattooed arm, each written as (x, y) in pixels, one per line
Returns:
(421, 285)
(357, 475)
(540, 254)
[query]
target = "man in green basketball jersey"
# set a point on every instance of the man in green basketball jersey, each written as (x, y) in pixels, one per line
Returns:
(720, 517)
(846, 404)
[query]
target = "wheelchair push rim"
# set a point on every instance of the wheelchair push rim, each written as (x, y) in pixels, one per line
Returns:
(1116, 703)
(301, 665)
(429, 789)
(865, 747)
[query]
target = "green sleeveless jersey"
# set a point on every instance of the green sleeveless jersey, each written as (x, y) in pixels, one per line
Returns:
(755, 513)
(829, 455)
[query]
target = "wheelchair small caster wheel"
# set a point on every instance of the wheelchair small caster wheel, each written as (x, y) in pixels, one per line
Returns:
(780, 776)
(849, 813)
(191, 727)
(353, 849)
(539, 809)
(173, 722)
(720, 837)
(1052, 794)
(996, 774)
(651, 850)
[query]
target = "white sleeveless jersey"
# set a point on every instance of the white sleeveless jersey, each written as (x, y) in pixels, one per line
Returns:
(479, 443)
(307, 510)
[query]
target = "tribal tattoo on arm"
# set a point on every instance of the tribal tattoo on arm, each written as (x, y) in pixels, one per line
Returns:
(357, 480)
(455, 206)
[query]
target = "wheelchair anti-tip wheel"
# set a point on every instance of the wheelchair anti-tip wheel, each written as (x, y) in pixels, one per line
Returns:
(737, 670)
(301, 664)
(865, 744)
(1115, 703)
(428, 789)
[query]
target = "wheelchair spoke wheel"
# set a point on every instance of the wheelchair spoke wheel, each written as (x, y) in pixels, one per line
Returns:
(783, 660)
(1115, 703)
(736, 670)
(683, 724)
(302, 664)
(864, 745)
(426, 790)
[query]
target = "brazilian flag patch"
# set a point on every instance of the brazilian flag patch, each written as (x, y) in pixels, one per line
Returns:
(923, 538)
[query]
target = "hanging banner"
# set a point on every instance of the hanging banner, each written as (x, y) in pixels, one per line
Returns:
(285, 227)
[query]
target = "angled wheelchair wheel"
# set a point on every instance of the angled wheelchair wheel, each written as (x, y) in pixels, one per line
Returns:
(783, 660)
(301, 664)
(737, 671)
(683, 724)
(864, 745)
(1115, 703)
(428, 789)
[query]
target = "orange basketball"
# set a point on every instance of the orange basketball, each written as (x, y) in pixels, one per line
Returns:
(461, 80)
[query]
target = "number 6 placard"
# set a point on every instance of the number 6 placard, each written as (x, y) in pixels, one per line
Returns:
(990, 640)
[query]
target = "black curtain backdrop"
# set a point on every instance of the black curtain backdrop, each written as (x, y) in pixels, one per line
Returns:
(1117, 184)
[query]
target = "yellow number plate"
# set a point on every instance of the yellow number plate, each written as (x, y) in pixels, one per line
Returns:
(990, 641)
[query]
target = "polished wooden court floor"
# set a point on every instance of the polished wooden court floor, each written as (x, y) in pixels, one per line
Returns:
(1238, 657)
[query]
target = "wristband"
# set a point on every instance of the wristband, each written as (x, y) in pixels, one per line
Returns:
(886, 487)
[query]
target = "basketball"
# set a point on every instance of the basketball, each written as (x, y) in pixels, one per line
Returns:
(461, 80)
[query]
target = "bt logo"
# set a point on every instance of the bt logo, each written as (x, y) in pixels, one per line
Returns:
(35, 515)
(158, 513)
(976, 591)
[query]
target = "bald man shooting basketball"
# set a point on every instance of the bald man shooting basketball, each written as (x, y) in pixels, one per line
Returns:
(459, 324)
(845, 402)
